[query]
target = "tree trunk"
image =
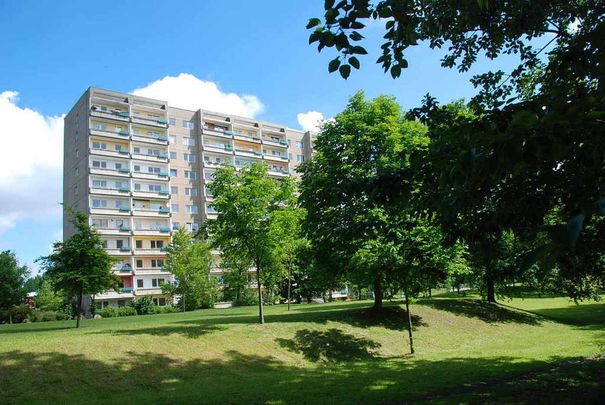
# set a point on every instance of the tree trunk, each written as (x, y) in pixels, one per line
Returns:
(330, 299)
(79, 310)
(491, 291)
(289, 286)
(407, 309)
(378, 295)
(184, 306)
(261, 315)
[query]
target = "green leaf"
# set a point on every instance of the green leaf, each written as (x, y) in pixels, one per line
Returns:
(313, 22)
(360, 50)
(353, 61)
(355, 36)
(345, 71)
(333, 65)
(314, 36)
(395, 71)
(329, 4)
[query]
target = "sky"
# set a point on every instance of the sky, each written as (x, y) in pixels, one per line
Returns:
(243, 57)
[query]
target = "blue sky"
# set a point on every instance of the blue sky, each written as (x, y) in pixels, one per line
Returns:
(52, 51)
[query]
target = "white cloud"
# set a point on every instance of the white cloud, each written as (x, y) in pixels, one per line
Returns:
(310, 121)
(31, 163)
(189, 92)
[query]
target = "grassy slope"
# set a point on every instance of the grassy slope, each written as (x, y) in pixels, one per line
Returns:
(223, 356)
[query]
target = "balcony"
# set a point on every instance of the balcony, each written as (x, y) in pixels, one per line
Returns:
(113, 191)
(149, 291)
(160, 122)
(279, 172)
(113, 231)
(218, 147)
(122, 153)
(245, 137)
(162, 212)
(152, 231)
(154, 194)
(149, 271)
(109, 134)
(161, 157)
(157, 139)
(123, 251)
(277, 143)
(275, 158)
(150, 251)
(108, 295)
(248, 152)
(109, 211)
(109, 112)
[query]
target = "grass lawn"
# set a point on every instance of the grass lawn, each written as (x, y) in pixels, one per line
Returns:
(467, 351)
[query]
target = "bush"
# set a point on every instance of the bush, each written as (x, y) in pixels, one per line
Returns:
(164, 310)
(143, 305)
(247, 297)
(15, 314)
(46, 316)
(126, 311)
(108, 312)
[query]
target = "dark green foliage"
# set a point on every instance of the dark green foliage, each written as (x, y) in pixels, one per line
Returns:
(142, 305)
(108, 312)
(46, 316)
(12, 280)
(128, 311)
(15, 314)
(80, 265)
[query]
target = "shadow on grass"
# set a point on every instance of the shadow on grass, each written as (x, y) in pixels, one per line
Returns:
(330, 346)
(585, 315)
(473, 308)
(244, 378)
(35, 328)
(359, 315)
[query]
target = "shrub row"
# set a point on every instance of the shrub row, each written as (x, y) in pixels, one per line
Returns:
(112, 312)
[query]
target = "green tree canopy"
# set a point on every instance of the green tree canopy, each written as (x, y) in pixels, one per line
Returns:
(12, 280)
(80, 265)
(247, 202)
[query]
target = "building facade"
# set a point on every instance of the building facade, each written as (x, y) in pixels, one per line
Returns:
(140, 169)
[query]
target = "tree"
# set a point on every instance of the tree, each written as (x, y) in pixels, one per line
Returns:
(47, 298)
(12, 280)
(246, 202)
(289, 239)
(529, 160)
(80, 265)
(190, 261)
(348, 192)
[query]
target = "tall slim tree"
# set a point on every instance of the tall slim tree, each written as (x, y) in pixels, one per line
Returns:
(80, 266)
(190, 261)
(347, 187)
(246, 202)
(12, 280)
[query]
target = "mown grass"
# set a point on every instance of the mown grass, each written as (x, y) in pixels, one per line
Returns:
(331, 353)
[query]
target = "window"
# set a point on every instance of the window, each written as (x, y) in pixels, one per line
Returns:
(171, 122)
(137, 168)
(117, 166)
(290, 156)
(192, 227)
(174, 190)
(300, 145)
(154, 188)
(188, 141)
(157, 244)
(140, 282)
(99, 203)
(155, 263)
(300, 158)
(210, 209)
(119, 243)
(137, 186)
(138, 244)
(159, 301)
(136, 149)
(99, 126)
(172, 138)
(173, 173)
(99, 223)
(76, 172)
(190, 175)
(176, 226)
(139, 264)
(77, 153)
(174, 208)
(99, 145)
(192, 209)
(188, 124)
(189, 157)
(154, 170)
(99, 183)
(191, 192)
(172, 155)
(76, 190)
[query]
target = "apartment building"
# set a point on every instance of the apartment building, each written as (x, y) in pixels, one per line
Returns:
(140, 169)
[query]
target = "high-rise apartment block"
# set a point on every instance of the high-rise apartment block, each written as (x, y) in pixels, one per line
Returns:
(139, 169)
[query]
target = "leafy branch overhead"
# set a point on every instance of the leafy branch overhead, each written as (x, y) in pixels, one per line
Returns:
(466, 28)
